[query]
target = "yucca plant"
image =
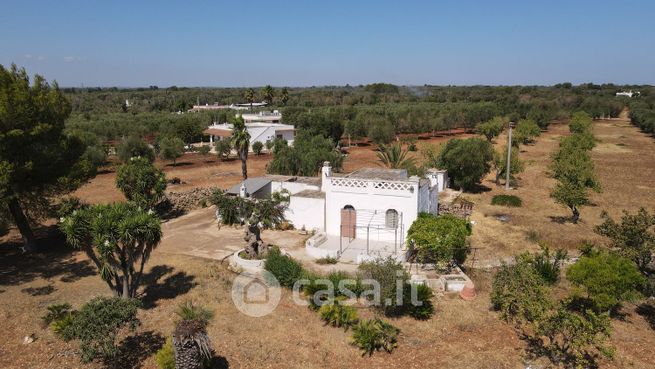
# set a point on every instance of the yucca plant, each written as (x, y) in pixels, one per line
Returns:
(189, 311)
(375, 335)
(338, 315)
(191, 344)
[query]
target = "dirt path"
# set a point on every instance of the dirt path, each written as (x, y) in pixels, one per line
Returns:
(625, 165)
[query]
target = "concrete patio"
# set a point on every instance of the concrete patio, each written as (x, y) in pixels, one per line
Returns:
(358, 250)
(197, 234)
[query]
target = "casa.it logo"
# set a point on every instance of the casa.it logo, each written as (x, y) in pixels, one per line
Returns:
(256, 295)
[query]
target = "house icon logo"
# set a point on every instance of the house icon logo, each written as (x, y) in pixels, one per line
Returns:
(256, 295)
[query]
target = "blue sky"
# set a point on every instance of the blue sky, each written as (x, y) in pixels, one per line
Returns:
(305, 43)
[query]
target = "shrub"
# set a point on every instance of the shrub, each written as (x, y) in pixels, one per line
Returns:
(69, 205)
(338, 315)
(634, 237)
(62, 327)
(390, 275)
(318, 285)
(440, 238)
(165, 357)
(134, 147)
(387, 272)
(56, 312)
(223, 148)
(204, 150)
(580, 122)
(269, 145)
(257, 147)
(423, 309)
(375, 335)
(519, 293)
(533, 236)
(327, 260)
(283, 267)
(548, 265)
(97, 324)
(507, 200)
(575, 337)
(607, 279)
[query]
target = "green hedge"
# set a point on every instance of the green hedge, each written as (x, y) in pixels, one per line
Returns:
(507, 200)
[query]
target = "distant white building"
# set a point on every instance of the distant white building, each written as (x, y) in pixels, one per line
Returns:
(357, 216)
(259, 132)
(627, 93)
(262, 126)
(263, 116)
(216, 106)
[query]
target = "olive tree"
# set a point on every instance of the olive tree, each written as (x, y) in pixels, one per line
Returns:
(171, 148)
(466, 160)
(573, 168)
(118, 238)
(492, 128)
(500, 163)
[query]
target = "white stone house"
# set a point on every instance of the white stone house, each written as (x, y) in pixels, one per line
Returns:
(259, 132)
(357, 215)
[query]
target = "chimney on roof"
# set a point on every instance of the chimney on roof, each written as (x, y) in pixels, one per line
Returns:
(242, 190)
(326, 172)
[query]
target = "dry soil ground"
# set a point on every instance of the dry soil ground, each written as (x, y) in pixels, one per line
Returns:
(625, 165)
(460, 335)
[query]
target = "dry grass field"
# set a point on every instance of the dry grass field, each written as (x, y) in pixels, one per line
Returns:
(625, 165)
(460, 335)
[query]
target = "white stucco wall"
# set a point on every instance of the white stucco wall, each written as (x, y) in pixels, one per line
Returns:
(306, 211)
(366, 197)
(292, 187)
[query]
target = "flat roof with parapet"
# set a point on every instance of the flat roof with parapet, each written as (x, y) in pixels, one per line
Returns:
(316, 181)
(312, 194)
(379, 173)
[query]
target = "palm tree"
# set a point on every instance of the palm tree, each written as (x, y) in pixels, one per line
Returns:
(249, 95)
(241, 143)
(191, 343)
(268, 93)
(284, 96)
(394, 157)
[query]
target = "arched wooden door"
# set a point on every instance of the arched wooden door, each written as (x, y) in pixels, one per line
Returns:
(348, 222)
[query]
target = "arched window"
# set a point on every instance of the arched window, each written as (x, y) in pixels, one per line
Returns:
(391, 218)
(349, 207)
